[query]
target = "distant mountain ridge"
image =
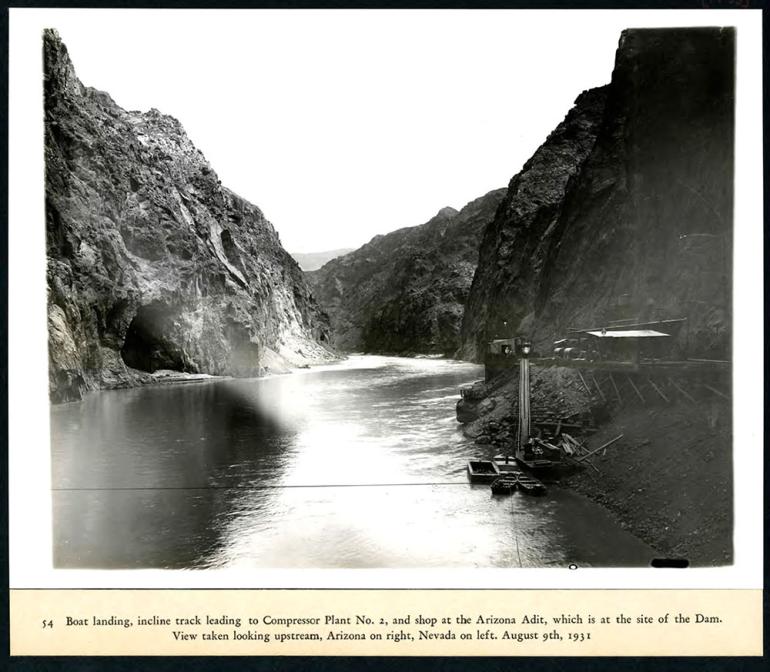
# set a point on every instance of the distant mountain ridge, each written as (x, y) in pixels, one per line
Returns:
(404, 292)
(312, 261)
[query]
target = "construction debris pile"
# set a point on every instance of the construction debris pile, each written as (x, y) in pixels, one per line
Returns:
(559, 404)
(569, 406)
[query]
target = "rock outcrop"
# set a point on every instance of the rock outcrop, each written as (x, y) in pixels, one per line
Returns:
(152, 263)
(626, 209)
(404, 292)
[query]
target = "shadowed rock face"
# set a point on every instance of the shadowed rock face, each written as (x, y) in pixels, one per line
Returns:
(626, 209)
(152, 263)
(404, 292)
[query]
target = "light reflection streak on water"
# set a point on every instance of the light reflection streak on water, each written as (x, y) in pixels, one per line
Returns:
(372, 420)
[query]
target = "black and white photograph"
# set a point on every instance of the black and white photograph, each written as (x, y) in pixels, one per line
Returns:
(393, 290)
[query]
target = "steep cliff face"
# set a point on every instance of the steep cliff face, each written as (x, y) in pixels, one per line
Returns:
(404, 292)
(152, 263)
(626, 210)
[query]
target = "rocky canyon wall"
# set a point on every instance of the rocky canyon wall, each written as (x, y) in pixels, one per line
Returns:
(404, 292)
(625, 212)
(152, 263)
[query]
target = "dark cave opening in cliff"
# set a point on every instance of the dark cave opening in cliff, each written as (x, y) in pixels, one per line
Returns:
(147, 346)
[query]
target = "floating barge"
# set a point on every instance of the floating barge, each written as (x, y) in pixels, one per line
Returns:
(511, 481)
(541, 458)
(505, 463)
(530, 485)
(506, 484)
(482, 471)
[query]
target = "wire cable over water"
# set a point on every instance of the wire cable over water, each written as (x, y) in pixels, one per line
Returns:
(260, 487)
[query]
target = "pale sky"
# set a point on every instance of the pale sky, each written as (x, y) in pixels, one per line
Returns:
(341, 125)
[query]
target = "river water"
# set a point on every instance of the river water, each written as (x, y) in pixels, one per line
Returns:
(358, 464)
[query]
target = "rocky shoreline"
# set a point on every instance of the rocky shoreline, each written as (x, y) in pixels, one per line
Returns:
(130, 378)
(668, 481)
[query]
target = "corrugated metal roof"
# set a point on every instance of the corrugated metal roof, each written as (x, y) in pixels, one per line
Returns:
(633, 333)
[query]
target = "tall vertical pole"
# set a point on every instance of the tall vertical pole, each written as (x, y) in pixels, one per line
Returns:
(524, 419)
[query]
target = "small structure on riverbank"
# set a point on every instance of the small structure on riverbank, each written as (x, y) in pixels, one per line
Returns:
(502, 354)
(627, 344)
(623, 342)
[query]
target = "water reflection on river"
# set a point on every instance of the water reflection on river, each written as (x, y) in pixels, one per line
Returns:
(360, 464)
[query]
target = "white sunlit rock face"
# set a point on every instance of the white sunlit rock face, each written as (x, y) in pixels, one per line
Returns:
(152, 263)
